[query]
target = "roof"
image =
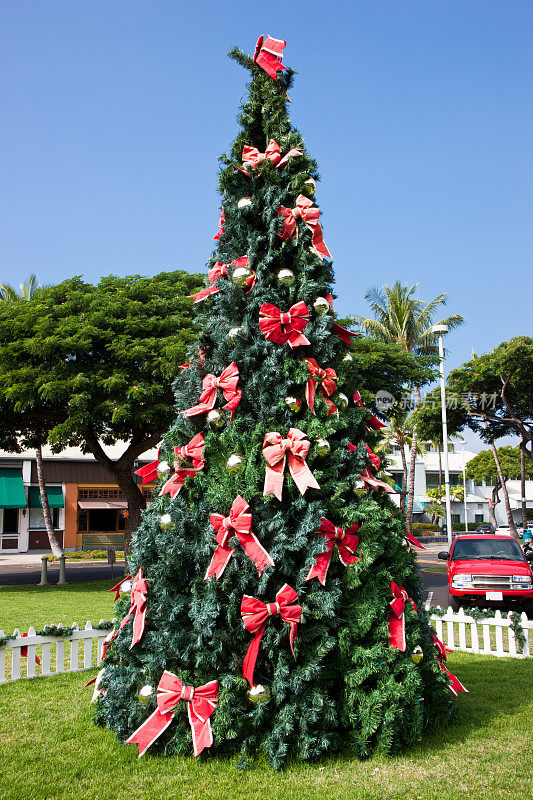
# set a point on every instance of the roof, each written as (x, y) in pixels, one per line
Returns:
(75, 453)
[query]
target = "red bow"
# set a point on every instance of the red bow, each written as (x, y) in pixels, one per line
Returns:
(310, 216)
(343, 333)
(276, 450)
(255, 615)
(397, 617)
(284, 327)
(346, 542)
(137, 608)
(193, 450)
(373, 422)
(116, 587)
(366, 475)
(410, 538)
(220, 225)
(148, 473)
(227, 382)
(268, 55)
(24, 652)
(201, 702)
(326, 378)
(218, 270)
(239, 524)
(374, 459)
(252, 157)
(454, 684)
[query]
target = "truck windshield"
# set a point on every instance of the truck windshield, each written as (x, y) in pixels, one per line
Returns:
(487, 548)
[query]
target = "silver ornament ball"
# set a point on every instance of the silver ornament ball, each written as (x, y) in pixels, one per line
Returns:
(321, 305)
(125, 587)
(286, 277)
(146, 692)
(163, 468)
(309, 187)
(323, 448)
(233, 334)
(234, 463)
(417, 655)
(341, 401)
(348, 358)
(293, 404)
(244, 201)
(165, 522)
(258, 695)
(241, 275)
(216, 419)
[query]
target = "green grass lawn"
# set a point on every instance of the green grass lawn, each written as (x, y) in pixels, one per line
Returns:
(52, 751)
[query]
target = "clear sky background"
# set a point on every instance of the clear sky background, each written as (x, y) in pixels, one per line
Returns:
(418, 112)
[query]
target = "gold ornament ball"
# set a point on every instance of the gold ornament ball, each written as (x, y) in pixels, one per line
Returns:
(233, 334)
(321, 305)
(146, 692)
(348, 358)
(234, 463)
(125, 587)
(309, 187)
(241, 275)
(323, 448)
(258, 695)
(286, 277)
(417, 655)
(216, 419)
(165, 522)
(163, 468)
(342, 401)
(293, 404)
(359, 486)
(244, 201)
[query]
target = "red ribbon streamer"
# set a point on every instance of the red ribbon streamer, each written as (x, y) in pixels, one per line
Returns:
(137, 608)
(201, 702)
(116, 587)
(373, 421)
(268, 55)
(325, 378)
(193, 452)
(148, 473)
(24, 652)
(293, 449)
(308, 215)
(218, 270)
(397, 617)
(255, 615)
(366, 476)
(346, 542)
(220, 225)
(454, 684)
(343, 333)
(227, 382)
(284, 327)
(239, 524)
(252, 157)
(411, 539)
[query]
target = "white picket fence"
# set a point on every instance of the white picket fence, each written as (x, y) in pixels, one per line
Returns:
(57, 654)
(486, 636)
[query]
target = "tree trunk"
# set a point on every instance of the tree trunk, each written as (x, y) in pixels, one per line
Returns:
(404, 478)
(523, 481)
(493, 502)
(136, 505)
(55, 547)
(510, 519)
(411, 490)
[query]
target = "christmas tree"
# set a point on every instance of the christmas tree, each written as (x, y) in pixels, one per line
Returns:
(275, 606)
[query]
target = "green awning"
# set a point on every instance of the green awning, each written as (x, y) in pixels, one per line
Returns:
(55, 497)
(11, 488)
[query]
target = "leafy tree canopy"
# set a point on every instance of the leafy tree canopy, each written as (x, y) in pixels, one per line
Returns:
(483, 466)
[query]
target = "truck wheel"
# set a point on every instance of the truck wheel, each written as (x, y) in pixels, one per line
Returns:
(454, 602)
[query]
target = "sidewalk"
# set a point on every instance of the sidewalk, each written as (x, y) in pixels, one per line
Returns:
(32, 559)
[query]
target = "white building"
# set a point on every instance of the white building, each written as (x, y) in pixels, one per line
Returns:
(477, 494)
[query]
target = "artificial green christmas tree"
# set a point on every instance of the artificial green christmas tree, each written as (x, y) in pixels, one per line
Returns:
(275, 597)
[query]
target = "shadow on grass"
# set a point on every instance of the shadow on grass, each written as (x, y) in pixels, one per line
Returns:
(71, 588)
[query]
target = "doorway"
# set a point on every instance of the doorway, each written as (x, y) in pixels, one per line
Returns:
(9, 531)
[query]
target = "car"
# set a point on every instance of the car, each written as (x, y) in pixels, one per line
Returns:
(485, 527)
(489, 569)
(504, 529)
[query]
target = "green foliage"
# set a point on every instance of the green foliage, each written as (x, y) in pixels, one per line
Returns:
(344, 684)
(483, 466)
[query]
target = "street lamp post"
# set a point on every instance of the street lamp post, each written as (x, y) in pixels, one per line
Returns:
(440, 330)
(464, 491)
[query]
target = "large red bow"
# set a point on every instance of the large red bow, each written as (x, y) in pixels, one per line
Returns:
(137, 608)
(220, 225)
(268, 55)
(346, 542)
(148, 473)
(239, 524)
(397, 617)
(310, 216)
(454, 684)
(294, 449)
(252, 157)
(193, 452)
(284, 326)
(227, 382)
(255, 615)
(217, 271)
(326, 378)
(201, 702)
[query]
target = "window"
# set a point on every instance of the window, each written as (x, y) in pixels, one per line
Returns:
(456, 479)
(479, 505)
(479, 519)
(36, 519)
(456, 519)
(11, 520)
(432, 479)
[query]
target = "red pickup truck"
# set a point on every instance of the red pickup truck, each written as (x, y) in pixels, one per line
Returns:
(489, 569)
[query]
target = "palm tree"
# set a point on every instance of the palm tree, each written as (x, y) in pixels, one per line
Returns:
(10, 295)
(400, 434)
(399, 316)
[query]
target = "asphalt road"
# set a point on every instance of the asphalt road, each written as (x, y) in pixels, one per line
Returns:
(19, 576)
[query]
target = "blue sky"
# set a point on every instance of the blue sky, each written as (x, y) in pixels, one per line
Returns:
(418, 112)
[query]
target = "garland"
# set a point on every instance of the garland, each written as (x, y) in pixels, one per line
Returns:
(59, 631)
(482, 613)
